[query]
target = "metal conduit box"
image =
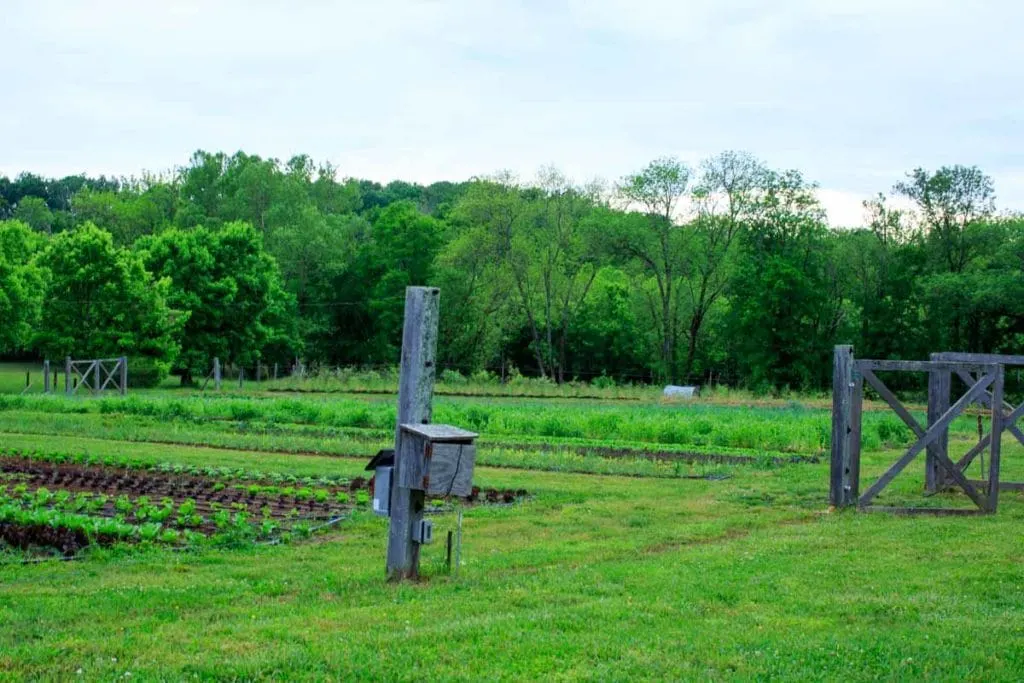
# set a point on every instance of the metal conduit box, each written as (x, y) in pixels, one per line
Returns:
(438, 459)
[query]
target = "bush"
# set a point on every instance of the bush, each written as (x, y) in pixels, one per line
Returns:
(452, 377)
(146, 373)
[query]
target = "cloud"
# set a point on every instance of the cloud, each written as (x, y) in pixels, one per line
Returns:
(851, 93)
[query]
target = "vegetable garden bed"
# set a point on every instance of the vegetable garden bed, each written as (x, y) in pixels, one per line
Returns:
(55, 501)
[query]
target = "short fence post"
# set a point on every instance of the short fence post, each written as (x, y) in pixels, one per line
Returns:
(96, 377)
(124, 375)
(28, 378)
(216, 373)
(67, 375)
(46, 376)
(935, 479)
(840, 489)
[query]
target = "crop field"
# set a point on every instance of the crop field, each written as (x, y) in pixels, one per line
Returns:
(182, 534)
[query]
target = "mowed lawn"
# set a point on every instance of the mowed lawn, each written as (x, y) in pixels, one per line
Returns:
(596, 577)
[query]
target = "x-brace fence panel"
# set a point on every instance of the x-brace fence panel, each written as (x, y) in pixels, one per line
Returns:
(850, 374)
(1008, 416)
(96, 375)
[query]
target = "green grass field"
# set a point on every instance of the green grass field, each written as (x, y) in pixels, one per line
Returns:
(635, 573)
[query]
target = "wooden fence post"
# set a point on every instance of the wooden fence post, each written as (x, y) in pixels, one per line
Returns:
(28, 378)
(415, 396)
(995, 447)
(216, 373)
(935, 478)
(241, 377)
(840, 489)
(46, 376)
(67, 375)
(124, 375)
(96, 377)
(275, 370)
(259, 371)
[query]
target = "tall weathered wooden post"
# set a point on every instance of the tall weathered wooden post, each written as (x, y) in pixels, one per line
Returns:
(46, 376)
(67, 375)
(840, 489)
(124, 375)
(415, 396)
(216, 374)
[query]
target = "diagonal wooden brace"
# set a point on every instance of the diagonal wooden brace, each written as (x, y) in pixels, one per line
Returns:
(928, 437)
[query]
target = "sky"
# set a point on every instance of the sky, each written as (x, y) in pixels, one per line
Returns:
(853, 93)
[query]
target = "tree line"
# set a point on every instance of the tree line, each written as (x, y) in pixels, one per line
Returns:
(728, 271)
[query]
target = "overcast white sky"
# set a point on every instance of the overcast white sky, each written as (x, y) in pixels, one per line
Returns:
(852, 92)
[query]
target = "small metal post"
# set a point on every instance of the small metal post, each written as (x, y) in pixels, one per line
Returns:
(458, 544)
(448, 552)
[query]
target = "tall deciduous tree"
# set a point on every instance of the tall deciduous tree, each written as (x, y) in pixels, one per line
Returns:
(660, 248)
(952, 202)
(727, 200)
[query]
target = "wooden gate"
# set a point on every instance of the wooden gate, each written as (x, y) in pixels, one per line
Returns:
(938, 396)
(984, 379)
(96, 375)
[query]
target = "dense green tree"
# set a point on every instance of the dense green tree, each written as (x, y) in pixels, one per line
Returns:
(785, 310)
(231, 291)
(100, 302)
(22, 283)
(34, 212)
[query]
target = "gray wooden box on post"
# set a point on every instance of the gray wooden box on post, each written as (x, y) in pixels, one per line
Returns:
(437, 459)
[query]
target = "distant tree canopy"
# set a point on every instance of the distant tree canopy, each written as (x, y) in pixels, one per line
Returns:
(729, 269)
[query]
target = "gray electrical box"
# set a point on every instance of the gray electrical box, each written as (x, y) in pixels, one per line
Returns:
(382, 490)
(423, 532)
(438, 459)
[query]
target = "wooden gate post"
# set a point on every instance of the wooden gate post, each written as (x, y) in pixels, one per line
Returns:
(67, 375)
(415, 396)
(995, 447)
(216, 373)
(124, 375)
(840, 489)
(935, 478)
(46, 376)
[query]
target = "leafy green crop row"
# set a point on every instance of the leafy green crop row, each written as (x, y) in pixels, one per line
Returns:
(793, 429)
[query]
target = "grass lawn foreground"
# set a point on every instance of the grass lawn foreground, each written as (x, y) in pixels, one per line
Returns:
(595, 576)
